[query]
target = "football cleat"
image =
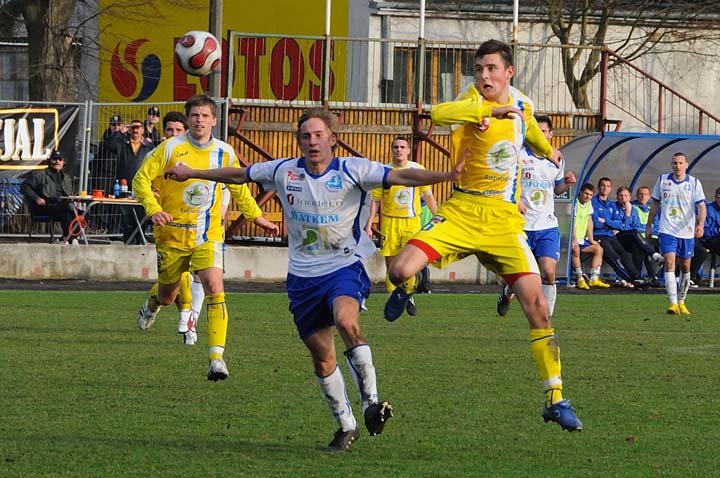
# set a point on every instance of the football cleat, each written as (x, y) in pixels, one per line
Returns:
(375, 417)
(343, 439)
(673, 309)
(411, 308)
(146, 317)
(396, 304)
(682, 308)
(188, 329)
(582, 284)
(563, 414)
(658, 258)
(598, 282)
(503, 302)
(217, 370)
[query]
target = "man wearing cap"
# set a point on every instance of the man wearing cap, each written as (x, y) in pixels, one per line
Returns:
(114, 133)
(43, 189)
(151, 125)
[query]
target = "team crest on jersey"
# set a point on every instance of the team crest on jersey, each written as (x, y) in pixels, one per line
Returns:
(334, 183)
(402, 197)
(196, 194)
(675, 214)
(502, 156)
(537, 197)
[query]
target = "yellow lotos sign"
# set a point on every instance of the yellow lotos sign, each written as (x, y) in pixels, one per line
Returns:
(137, 50)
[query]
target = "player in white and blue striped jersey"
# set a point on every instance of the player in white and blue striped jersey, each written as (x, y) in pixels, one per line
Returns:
(681, 200)
(326, 201)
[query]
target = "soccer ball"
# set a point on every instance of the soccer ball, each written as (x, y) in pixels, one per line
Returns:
(198, 53)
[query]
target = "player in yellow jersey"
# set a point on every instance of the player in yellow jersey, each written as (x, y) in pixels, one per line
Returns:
(188, 225)
(492, 120)
(400, 213)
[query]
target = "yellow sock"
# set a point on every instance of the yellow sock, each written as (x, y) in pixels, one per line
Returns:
(184, 297)
(153, 303)
(409, 285)
(389, 285)
(217, 324)
(546, 352)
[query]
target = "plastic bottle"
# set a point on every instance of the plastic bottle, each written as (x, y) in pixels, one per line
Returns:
(116, 189)
(124, 188)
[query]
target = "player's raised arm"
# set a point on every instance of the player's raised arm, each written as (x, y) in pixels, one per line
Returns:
(228, 175)
(421, 177)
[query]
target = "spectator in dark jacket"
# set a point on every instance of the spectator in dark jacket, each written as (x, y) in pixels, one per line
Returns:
(44, 188)
(130, 154)
(152, 125)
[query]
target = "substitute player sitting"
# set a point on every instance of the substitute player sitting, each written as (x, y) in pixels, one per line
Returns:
(401, 213)
(583, 241)
(492, 122)
(188, 228)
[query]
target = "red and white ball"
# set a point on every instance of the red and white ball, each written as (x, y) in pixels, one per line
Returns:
(198, 53)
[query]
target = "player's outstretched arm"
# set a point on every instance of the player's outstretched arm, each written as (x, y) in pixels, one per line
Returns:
(229, 175)
(421, 177)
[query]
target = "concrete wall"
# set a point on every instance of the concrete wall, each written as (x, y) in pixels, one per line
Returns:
(117, 262)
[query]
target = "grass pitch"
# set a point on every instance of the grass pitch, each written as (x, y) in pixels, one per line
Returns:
(85, 394)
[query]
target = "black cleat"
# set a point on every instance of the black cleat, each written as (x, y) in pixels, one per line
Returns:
(396, 304)
(343, 440)
(503, 303)
(411, 308)
(376, 415)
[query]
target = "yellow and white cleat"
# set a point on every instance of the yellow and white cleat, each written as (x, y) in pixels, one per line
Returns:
(598, 283)
(581, 284)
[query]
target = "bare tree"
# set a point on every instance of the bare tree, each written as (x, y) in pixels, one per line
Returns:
(647, 24)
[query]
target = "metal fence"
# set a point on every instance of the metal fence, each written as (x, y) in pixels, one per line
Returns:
(93, 167)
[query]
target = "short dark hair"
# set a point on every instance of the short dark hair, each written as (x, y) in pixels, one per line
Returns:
(642, 187)
(175, 116)
(679, 153)
(621, 189)
(604, 178)
(200, 100)
(401, 138)
(496, 46)
(717, 191)
(544, 119)
(588, 187)
(328, 117)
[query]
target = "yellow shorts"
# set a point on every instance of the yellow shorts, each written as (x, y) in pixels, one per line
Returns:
(397, 231)
(492, 230)
(172, 262)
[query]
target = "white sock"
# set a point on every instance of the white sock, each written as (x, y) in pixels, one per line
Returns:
(578, 272)
(198, 296)
(333, 389)
(671, 287)
(362, 371)
(184, 321)
(684, 286)
(550, 293)
(595, 272)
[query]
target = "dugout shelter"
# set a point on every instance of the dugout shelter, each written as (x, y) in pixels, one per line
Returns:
(634, 160)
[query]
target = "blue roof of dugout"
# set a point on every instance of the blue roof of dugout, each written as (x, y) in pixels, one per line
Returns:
(633, 160)
(637, 159)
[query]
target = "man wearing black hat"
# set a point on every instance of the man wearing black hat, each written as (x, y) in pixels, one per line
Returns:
(115, 133)
(151, 125)
(43, 189)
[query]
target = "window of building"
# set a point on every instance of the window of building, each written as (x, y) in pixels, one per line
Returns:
(448, 71)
